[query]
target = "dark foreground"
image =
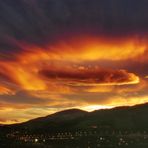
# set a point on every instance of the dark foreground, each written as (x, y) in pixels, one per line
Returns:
(77, 139)
(123, 127)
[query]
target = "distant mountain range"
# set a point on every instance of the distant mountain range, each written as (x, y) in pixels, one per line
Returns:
(123, 118)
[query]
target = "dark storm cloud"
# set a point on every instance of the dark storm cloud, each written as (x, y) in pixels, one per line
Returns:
(37, 21)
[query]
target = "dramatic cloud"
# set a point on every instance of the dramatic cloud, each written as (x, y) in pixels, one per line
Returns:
(92, 77)
(59, 54)
(61, 66)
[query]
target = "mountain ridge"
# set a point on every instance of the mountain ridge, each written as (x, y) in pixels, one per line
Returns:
(123, 117)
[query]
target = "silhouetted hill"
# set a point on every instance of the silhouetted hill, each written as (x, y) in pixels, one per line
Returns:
(70, 114)
(60, 120)
(123, 118)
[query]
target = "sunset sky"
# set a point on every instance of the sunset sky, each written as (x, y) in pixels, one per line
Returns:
(61, 54)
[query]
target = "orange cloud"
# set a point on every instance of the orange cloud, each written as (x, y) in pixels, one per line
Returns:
(128, 102)
(61, 65)
(60, 76)
(5, 90)
(85, 48)
(93, 77)
(61, 79)
(22, 76)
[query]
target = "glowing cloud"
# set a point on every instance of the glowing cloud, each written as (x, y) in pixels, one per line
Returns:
(5, 90)
(82, 48)
(38, 68)
(92, 77)
(45, 76)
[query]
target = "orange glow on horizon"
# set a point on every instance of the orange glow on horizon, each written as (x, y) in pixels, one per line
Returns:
(89, 108)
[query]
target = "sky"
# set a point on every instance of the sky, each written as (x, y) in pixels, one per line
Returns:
(61, 54)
